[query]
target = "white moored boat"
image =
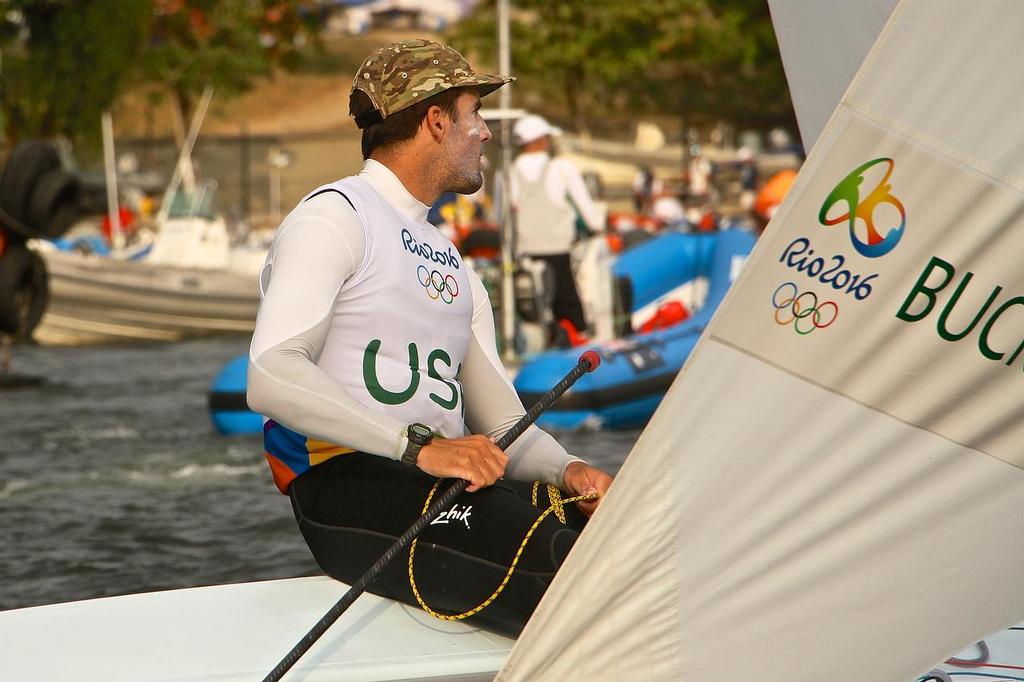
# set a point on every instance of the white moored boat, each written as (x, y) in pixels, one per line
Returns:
(100, 299)
(185, 280)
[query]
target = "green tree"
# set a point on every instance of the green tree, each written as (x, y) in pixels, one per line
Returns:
(701, 60)
(737, 74)
(195, 43)
(221, 43)
(63, 62)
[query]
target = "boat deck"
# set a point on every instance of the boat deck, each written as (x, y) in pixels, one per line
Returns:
(240, 632)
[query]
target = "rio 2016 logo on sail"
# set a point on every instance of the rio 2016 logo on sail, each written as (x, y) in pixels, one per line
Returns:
(848, 192)
(803, 310)
(870, 211)
(832, 270)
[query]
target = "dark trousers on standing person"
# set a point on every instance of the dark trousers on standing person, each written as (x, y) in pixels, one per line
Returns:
(566, 304)
(353, 507)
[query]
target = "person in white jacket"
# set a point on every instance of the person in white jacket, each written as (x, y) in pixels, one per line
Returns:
(549, 195)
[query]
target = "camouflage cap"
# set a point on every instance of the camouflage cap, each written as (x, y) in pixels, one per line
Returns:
(401, 74)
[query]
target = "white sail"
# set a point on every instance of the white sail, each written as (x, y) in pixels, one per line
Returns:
(822, 44)
(838, 496)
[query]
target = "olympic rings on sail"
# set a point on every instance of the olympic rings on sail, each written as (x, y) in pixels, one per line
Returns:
(438, 286)
(802, 309)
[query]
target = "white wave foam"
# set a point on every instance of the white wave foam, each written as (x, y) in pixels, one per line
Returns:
(13, 486)
(192, 470)
(115, 432)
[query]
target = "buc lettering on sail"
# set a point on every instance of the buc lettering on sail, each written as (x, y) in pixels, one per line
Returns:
(992, 316)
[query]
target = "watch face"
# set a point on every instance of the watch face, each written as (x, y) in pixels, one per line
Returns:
(420, 431)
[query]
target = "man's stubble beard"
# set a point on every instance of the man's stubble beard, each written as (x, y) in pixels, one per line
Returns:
(461, 177)
(464, 181)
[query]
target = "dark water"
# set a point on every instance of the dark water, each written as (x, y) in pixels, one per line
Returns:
(113, 481)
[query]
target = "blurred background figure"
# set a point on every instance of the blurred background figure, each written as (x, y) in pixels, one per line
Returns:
(666, 207)
(748, 181)
(459, 214)
(699, 173)
(548, 195)
(645, 186)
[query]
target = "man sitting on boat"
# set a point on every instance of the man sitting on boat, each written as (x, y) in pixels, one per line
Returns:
(374, 356)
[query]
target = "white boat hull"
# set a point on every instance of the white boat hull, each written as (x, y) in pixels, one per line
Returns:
(240, 632)
(95, 299)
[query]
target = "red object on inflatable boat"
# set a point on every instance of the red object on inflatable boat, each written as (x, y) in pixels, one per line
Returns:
(575, 337)
(127, 219)
(667, 315)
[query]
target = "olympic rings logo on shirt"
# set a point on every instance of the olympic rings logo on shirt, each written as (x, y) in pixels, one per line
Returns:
(438, 286)
(803, 309)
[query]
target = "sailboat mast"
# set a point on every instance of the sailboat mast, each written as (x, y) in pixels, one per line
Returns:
(110, 170)
(185, 156)
(508, 321)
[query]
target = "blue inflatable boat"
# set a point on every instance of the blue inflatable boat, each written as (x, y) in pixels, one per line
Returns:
(637, 370)
(663, 263)
(228, 410)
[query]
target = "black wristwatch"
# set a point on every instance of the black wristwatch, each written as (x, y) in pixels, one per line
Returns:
(419, 436)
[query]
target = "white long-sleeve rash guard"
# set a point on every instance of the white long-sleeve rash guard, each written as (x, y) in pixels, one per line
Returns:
(320, 245)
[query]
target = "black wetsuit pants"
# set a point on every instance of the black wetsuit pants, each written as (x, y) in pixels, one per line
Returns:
(351, 508)
(566, 304)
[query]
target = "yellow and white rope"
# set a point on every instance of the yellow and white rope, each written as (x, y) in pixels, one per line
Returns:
(557, 506)
(554, 497)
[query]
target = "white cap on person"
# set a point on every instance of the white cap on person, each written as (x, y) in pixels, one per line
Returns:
(533, 127)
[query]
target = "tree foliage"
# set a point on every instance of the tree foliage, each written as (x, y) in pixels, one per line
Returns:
(221, 43)
(702, 60)
(65, 61)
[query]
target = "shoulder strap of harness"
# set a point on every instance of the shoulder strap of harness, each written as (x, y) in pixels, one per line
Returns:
(336, 191)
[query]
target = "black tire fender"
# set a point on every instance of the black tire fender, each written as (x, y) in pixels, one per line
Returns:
(38, 198)
(28, 162)
(24, 290)
(53, 206)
